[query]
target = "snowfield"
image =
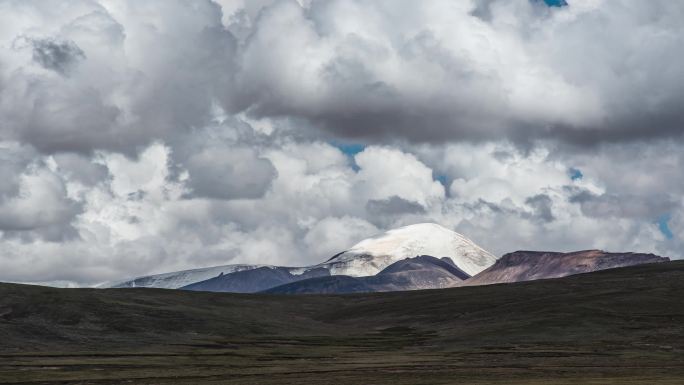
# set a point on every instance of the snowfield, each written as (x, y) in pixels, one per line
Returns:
(179, 279)
(371, 255)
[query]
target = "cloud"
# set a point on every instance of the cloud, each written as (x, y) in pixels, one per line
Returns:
(142, 217)
(142, 137)
(624, 205)
(393, 206)
(385, 173)
(56, 56)
(145, 72)
(41, 207)
(332, 235)
(417, 71)
(34, 201)
(379, 70)
(229, 173)
(384, 212)
(542, 205)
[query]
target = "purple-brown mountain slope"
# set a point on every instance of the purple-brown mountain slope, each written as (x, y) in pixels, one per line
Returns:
(530, 265)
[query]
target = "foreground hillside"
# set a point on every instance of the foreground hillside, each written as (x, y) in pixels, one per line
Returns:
(615, 326)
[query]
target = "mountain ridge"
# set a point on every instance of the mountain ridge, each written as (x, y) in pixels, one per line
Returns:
(373, 254)
(526, 265)
(366, 258)
(424, 255)
(418, 273)
(254, 280)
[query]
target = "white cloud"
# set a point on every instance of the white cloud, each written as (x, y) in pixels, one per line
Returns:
(143, 137)
(386, 172)
(332, 235)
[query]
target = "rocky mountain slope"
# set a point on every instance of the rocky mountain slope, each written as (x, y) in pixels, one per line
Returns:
(422, 272)
(531, 265)
(252, 281)
(178, 279)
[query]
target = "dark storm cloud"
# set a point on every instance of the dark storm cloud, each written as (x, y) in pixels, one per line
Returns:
(58, 56)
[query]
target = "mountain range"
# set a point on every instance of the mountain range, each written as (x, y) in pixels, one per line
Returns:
(420, 256)
(422, 272)
(532, 265)
(366, 258)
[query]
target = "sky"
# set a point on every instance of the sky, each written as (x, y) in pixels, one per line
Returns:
(145, 137)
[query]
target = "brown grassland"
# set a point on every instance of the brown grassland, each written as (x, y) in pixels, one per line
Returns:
(620, 326)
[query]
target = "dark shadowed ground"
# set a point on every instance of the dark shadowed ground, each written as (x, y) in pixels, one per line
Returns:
(621, 326)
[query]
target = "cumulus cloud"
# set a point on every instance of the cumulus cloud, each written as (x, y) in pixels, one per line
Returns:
(332, 235)
(142, 137)
(34, 201)
(469, 70)
(420, 71)
(145, 72)
(229, 173)
(387, 173)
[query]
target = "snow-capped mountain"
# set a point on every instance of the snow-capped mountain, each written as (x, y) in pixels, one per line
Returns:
(371, 255)
(417, 273)
(366, 258)
(255, 280)
(178, 279)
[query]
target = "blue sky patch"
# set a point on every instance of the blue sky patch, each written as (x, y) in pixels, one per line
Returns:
(350, 149)
(441, 178)
(575, 173)
(664, 225)
(556, 3)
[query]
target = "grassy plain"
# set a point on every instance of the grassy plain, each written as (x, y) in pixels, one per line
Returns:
(620, 326)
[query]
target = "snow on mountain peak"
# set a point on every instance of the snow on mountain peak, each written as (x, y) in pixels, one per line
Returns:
(366, 258)
(371, 255)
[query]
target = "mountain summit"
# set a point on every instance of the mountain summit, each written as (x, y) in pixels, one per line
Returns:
(372, 255)
(366, 258)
